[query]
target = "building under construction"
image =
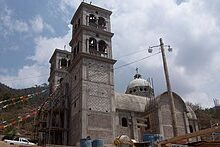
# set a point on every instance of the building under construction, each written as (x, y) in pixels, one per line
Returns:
(83, 101)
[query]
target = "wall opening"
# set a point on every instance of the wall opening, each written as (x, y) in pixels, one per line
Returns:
(124, 122)
(92, 20)
(92, 44)
(101, 22)
(102, 46)
(190, 128)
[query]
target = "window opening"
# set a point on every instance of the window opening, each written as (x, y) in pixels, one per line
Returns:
(101, 22)
(124, 122)
(61, 79)
(102, 46)
(92, 44)
(63, 62)
(92, 20)
(190, 128)
(138, 122)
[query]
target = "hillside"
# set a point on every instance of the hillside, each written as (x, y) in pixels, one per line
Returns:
(17, 106)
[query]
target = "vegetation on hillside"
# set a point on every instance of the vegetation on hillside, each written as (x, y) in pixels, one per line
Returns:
(23, 108)
(207, 117)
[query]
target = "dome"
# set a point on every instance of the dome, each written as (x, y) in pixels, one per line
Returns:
(138, 83)
(140, 87)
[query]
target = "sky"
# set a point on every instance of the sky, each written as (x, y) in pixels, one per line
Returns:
(31, 30)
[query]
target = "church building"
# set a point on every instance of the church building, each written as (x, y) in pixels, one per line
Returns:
(83, 101)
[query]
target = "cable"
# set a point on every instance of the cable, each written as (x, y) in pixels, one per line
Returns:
(114, 68)
(136, 61)
(132, 53)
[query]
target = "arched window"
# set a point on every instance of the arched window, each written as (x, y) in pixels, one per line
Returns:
(92, 19)
(92, 44)
(61, 79)
(124, 122)
(63, 62)
(102, 46)
(101, 22)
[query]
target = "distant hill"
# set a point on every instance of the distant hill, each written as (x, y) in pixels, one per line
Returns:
(22, 108)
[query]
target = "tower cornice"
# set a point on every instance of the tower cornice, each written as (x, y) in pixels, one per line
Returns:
(86, 55)
(91, 7)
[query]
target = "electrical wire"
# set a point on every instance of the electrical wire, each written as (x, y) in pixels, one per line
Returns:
(131, 53)
(114, 68)
(136, 61)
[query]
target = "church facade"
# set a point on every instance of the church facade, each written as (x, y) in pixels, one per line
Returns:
(83, 100)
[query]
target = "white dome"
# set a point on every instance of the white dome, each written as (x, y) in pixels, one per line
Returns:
(138, 83)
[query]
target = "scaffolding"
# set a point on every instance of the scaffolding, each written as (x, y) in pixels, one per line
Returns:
(53, 117)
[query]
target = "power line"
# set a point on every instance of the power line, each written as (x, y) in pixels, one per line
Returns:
(136, 61)
(18, 79)
(131, 53)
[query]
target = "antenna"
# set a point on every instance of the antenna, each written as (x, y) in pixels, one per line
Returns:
(136, 70)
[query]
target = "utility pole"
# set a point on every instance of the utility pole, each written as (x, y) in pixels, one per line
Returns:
(170, 93)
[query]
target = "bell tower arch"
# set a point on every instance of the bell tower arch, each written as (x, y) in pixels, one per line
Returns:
(91, 75)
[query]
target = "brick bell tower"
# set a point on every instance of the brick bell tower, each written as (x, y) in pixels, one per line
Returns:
(91, 75)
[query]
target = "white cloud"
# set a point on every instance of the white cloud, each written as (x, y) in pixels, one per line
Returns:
(27, 76)
(38, 72)
(38, 25)
(10, 24)
(45, 47)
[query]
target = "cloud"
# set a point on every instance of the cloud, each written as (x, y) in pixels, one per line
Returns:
(26, 77)
(38, 72)
(38, 25)
(45, 47)
(9, 24)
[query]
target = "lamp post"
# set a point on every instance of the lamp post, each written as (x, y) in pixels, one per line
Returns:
(173, 114)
